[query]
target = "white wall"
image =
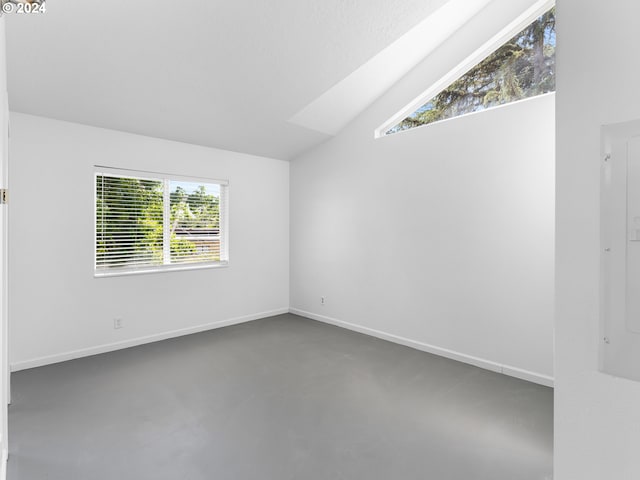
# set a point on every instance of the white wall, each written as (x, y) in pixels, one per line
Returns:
(4, 368)
(440, 237)
(597, 430)
(59, 310)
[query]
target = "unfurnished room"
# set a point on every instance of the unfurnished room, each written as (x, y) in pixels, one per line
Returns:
(319, 240)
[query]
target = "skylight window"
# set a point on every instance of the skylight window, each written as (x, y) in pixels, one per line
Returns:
(521, 68)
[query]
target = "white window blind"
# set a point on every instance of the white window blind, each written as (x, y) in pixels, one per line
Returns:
(149, 221)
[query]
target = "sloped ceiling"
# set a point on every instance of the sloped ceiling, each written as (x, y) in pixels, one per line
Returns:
(223, 74)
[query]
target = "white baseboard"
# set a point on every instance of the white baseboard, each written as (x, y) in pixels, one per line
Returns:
(469, 359)
(110, 347)
(443, 352)
(3, 466)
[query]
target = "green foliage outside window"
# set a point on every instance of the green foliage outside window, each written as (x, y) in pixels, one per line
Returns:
(192, 213)
(523, 67)
(130, 222)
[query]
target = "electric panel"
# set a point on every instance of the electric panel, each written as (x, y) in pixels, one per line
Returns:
(620, 250)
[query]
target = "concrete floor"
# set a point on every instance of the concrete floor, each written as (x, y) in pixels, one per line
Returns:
(276, 399)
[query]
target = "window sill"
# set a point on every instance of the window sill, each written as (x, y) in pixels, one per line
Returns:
(159, 269)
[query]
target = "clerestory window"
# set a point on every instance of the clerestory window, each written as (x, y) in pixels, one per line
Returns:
(523, 67)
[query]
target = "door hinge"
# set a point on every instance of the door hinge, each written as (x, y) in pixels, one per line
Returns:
(4, 196)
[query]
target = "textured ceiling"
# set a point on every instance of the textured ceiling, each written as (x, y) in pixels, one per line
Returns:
(222, 74)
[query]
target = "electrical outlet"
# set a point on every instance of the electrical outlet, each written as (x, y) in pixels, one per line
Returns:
(117, 323)
(322, 300)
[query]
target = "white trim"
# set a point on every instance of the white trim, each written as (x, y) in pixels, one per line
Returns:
(3, 465)
(443, 352)
(148, 175)
(5, 374)
(110, 347)
(495, 42)
(171, 267)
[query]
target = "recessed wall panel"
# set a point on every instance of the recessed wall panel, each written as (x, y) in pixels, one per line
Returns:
(620, 250)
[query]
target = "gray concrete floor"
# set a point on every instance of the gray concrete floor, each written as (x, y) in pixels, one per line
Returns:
(276, 399)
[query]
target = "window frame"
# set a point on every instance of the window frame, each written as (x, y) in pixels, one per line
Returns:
(99, 170)
(494, 43)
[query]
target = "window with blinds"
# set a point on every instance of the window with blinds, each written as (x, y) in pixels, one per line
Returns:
(147, 222)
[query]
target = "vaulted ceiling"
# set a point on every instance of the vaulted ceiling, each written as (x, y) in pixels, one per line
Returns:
(236, 74)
